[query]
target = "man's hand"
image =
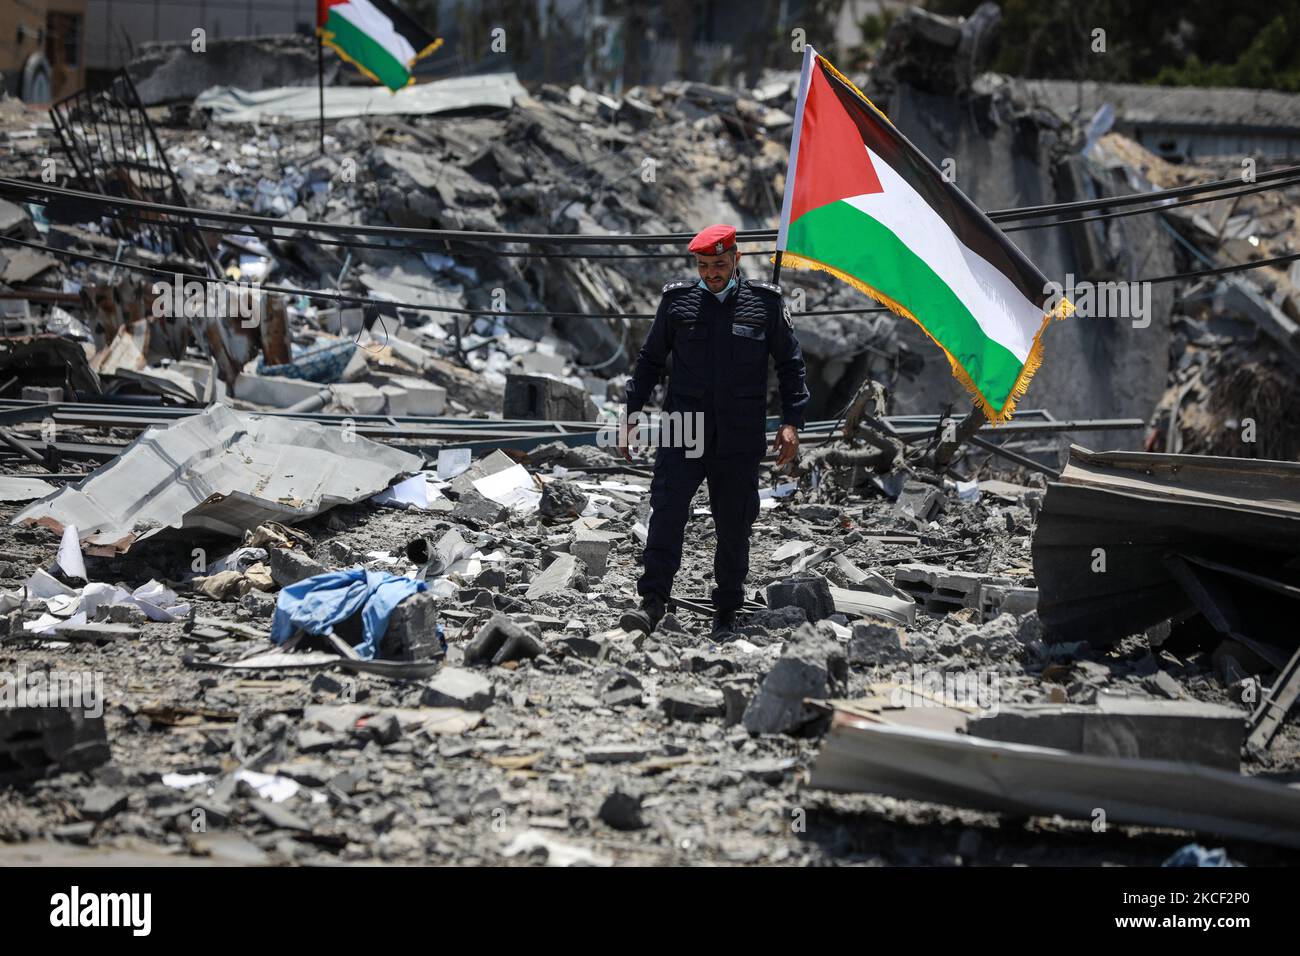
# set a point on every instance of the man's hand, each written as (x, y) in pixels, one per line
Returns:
(786, 444)
(626, 439)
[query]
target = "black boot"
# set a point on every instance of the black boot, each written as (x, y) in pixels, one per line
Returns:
(724, 622)
(645, 618)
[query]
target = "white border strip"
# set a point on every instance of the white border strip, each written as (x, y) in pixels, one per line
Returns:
(805, 75)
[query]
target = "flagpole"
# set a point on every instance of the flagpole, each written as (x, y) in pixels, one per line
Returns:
(805, 75)
(320, 85)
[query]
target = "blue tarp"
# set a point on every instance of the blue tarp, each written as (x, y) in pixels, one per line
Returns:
(317, 603)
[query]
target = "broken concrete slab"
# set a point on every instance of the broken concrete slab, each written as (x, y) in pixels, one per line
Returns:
(274, 391)
(457, 687)
(546, 398)
(874, 644)
(592, 549)
(477, 511)
(692, 703)
(265, 469)
(566, 571)
(289, 566)
(561, 500)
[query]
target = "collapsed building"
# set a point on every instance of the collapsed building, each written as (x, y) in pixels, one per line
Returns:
(348, 556)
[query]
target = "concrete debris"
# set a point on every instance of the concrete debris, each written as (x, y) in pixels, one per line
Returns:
(456, 687)
(938, 591)
(39, 738)
(562, 499)
(812, 666)
(566, 572)
(807, 591)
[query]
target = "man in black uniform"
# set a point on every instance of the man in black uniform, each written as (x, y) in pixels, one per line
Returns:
(719, 332)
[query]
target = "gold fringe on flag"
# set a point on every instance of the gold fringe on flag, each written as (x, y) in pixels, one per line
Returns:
(995, 416)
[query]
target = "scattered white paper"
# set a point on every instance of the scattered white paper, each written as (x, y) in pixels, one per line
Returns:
(780, 491)
(183, 781)
(624, 486)
(504, 483)
(443, 588)
(268, 786)
(413, 492)
(452, 461)
(42, 586)
(70, 559)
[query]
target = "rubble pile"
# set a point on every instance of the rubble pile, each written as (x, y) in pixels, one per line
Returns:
(266, 700)
(344, 583)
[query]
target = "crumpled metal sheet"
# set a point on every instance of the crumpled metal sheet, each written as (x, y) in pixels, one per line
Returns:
(223, 471)
(864, 755)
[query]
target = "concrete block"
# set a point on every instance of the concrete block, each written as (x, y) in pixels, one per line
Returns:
(806, 590)
(692, 703)
(923, 500)
(289, 566)
(412, 633)
(998, 599)
(414, 396)
(939, 590)
(358, 398)
(273, 391)
(592, 548)
(873, 644)
(457, 687)
(36, 740)
(566, 571)
(541, 397)
(501, 640)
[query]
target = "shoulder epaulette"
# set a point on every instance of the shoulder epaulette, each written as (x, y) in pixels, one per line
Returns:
(678, 285)
(766, 286)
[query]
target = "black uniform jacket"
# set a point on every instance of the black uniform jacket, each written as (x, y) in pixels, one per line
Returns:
(719, 353)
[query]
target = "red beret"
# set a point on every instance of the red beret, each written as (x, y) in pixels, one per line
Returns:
(714, 241)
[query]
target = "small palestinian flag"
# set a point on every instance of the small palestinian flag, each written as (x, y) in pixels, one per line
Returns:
(864, 204)
(374, 36)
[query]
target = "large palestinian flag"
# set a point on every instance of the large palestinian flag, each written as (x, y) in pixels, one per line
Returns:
(374, 36)
(864, 204)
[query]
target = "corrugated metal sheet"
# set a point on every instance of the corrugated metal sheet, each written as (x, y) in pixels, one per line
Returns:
(221, 471)
(1147, 519)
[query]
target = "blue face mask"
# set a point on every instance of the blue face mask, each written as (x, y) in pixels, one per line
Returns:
(731, 284)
